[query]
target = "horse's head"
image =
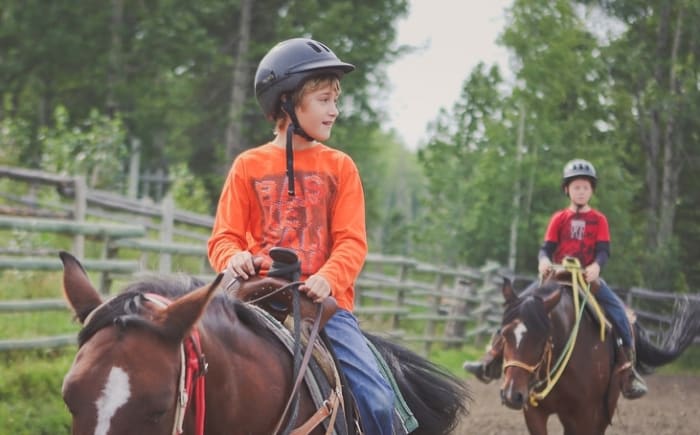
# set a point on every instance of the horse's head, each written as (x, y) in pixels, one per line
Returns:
(124, 378)
(526, 331)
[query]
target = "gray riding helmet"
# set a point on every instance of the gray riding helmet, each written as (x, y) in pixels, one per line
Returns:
(578, 168)
(288, 64)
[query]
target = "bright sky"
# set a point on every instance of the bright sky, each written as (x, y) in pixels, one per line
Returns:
(457, 34)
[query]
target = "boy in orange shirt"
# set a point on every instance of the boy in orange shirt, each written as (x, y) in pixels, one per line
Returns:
(582, 232)
(296, 192)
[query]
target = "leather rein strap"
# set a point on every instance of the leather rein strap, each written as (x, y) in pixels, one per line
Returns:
(330, 406)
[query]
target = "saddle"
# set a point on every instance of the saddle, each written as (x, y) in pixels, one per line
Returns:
(563, 276)
(274, 292)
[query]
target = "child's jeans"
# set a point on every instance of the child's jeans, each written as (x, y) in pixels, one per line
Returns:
(374, 396)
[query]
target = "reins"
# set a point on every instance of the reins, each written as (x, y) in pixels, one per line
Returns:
(553, 374)
(330, 406)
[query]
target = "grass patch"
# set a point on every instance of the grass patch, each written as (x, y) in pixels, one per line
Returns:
(30, 392)
(36, 324)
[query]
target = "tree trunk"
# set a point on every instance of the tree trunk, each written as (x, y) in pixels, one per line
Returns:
(114, 74)
(513, 246)
(652, 145)
(240, 85)
(650, 142)
(669, 186)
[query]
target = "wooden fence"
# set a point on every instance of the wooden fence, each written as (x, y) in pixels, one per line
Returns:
(413, 302)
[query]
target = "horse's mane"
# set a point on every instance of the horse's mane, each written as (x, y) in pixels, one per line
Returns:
(128, 304)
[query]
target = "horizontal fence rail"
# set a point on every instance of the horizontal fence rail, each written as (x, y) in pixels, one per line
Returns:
(401, 298)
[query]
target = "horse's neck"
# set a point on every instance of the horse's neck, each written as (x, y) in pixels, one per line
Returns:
(563, 318)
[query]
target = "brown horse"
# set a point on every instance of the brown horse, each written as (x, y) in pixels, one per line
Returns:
(543, 375)
(167, 357)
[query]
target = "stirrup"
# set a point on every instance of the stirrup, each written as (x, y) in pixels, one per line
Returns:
(635, 390)
(634, 386)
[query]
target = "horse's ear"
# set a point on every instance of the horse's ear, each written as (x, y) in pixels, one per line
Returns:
(552, 300)
(77, 289)
(507, 290)
(178, 318)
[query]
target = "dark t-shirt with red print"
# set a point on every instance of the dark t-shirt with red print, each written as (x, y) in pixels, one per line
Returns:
(576, 234)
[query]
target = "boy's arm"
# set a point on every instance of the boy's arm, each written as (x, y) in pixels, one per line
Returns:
(349, 248)
(602, 244)
(547, 250)
(549, 246)
(228, 235)
(602, 253)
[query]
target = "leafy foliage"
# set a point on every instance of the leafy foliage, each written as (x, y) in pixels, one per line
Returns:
(96, 148)
(612, 82)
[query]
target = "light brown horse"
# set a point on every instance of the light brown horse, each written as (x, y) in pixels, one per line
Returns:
(537, 327)
(132, 372)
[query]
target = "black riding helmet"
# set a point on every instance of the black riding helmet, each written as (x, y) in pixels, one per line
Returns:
(283, 70)
(578, 168)
(288, 64)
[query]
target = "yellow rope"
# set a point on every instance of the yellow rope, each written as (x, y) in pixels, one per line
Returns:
(577, 282)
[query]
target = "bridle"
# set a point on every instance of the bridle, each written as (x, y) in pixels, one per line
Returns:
(193, 368)
(545, 362)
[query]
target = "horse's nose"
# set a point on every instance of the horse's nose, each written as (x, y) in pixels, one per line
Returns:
(512, 399)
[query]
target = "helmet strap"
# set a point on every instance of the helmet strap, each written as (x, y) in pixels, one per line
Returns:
(293, 128)
(290, 161)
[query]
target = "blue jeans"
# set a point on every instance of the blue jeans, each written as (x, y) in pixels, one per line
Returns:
(374, 396)
(615, 309)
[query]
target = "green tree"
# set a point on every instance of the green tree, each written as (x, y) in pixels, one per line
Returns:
(653, 67)
(167, 69)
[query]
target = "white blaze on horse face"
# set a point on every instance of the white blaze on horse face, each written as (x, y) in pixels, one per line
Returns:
(114, 394)
(519, 333)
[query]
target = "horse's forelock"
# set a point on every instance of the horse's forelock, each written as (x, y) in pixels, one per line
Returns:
(534, 315)
(530, 310)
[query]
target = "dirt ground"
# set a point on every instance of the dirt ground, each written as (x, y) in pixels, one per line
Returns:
(672, 407)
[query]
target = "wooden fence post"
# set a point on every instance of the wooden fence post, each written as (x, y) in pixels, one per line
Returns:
(79, 212)
(166, 231)
(400, 294)
(456, 328)
(434, 309)
(108, 252)
(487, 294)
(134, 169)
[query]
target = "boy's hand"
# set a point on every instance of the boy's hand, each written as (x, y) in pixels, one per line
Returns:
(316, 288)
(544, 265)
(592, 272)
(242, 264)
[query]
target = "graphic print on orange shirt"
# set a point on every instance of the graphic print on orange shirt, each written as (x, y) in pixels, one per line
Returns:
(299, 222)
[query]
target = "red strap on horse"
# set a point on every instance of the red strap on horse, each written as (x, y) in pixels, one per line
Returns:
(196, 368)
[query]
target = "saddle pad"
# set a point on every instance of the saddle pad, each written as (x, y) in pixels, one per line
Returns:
(406, 418)
(404, 421)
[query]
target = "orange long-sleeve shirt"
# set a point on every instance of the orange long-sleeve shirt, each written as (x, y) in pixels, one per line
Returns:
(324, 223)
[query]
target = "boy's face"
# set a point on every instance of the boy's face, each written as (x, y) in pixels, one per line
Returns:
(580, 191)
(318, 110)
